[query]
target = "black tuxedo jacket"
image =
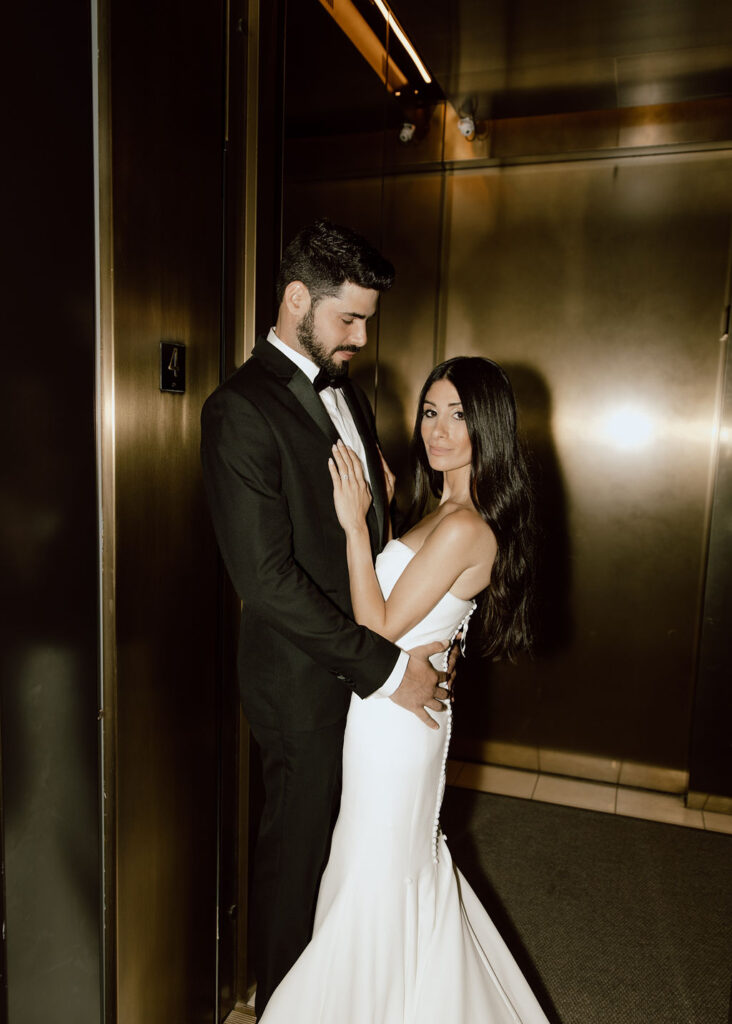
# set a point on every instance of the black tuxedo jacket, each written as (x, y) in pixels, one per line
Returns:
(265, 441)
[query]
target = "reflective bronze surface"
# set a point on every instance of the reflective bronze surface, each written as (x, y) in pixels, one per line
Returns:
(598, 77)
(167, 108)
(532, 59)
(599, 287)
(49, 675)
(711, 750)
(599, 284)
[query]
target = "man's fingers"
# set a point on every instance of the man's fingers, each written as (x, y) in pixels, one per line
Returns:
(435, 704)
(426, 718)
(426, 650)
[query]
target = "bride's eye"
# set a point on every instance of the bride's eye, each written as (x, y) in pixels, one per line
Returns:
(459, 414)
(427, 414)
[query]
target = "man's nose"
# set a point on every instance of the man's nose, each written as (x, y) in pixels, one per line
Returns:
(358, 335)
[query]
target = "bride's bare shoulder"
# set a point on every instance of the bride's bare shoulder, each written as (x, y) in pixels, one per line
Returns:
(464, 526)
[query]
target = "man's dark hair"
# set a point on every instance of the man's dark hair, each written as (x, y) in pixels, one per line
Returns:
(324, 256)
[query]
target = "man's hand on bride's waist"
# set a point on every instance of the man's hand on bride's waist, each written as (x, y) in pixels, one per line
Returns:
(422, 686)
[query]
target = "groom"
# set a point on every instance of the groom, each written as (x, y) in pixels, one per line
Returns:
(266, 438)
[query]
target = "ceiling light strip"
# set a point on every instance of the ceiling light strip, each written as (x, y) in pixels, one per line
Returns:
(353, 24)
(401, 36)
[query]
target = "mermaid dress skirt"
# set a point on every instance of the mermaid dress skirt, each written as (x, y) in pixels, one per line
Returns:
(399, 935)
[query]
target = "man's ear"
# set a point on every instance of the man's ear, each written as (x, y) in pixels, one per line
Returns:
(297, 299)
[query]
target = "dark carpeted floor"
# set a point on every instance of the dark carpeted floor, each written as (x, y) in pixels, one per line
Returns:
(613, 920)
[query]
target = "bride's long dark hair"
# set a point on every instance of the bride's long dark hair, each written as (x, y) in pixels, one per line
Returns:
(501, 492)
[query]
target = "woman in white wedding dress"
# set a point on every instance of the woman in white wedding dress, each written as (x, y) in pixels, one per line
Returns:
(399, 935)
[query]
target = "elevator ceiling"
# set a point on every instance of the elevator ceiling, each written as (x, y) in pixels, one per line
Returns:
(515, 58)
(528, 57)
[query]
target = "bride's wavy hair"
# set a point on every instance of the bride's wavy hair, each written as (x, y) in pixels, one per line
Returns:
(501, 492)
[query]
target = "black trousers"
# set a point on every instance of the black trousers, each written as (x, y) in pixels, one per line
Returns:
(302, 783)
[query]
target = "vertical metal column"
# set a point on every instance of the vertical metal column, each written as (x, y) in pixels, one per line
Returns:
(48, 535)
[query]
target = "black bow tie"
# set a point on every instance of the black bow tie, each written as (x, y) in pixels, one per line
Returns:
(324, 380)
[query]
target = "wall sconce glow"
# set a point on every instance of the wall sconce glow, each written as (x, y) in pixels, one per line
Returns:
(401, 36)
(628, 428)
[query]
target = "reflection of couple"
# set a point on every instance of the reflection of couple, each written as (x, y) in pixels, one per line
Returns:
(300, 499)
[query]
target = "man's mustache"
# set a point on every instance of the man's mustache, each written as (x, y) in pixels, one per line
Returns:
(346, 348)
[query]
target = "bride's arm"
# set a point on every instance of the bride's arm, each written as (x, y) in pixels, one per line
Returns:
(352, 498)
(461, 541)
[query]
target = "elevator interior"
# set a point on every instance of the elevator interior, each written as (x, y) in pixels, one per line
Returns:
(582, 238)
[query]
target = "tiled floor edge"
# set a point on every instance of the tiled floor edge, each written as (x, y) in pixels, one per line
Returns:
(589, 767)
(241, 1014)
(626, 801)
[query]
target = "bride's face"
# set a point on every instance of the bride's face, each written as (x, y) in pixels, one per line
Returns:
(444, 431)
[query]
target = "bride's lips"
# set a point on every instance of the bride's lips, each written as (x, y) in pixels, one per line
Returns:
(437, 451)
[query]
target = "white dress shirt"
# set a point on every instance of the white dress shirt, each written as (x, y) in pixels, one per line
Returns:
(337, 408)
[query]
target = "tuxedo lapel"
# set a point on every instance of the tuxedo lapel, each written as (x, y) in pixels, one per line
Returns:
(306, 395)
(297, 383)
(376, 472)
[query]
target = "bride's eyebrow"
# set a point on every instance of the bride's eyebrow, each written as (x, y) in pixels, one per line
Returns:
(449, 404)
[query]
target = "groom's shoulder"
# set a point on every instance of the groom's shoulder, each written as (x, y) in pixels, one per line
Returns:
(241, 402)
(248, 379)
(252, 381)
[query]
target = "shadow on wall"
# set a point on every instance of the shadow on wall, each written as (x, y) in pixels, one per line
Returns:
(553, 624)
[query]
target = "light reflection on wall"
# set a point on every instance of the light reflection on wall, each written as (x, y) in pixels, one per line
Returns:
(627, 427)
(632, 428)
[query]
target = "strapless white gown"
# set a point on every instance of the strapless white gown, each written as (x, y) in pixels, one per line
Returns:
(399, 936)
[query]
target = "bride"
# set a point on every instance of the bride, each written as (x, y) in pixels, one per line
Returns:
(399, 935)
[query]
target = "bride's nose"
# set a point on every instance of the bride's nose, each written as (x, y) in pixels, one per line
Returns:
(440, 428)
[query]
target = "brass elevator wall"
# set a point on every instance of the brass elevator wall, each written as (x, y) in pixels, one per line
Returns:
(711, 743)
(167, 103)
(49, 546)
(598, 282)
(599, 286)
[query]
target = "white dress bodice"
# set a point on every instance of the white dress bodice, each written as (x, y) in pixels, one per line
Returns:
(448, 616)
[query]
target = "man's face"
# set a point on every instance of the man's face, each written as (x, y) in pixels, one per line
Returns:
(335, 328)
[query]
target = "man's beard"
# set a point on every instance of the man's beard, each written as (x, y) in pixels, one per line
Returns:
(317, 351)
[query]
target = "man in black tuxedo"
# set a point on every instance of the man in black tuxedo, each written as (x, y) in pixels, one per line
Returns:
(267, 434)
